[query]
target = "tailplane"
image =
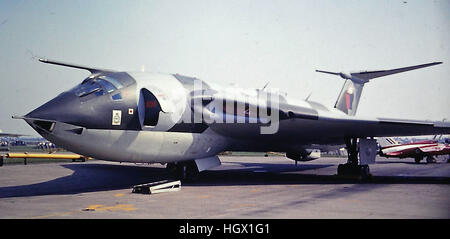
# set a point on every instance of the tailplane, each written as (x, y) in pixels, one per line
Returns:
(350, 94)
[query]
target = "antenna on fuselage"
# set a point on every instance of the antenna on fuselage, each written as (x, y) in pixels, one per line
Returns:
(307, 98)
(264, 87)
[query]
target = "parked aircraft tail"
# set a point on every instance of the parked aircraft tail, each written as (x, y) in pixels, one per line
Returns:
(350, 94)
(386, 141)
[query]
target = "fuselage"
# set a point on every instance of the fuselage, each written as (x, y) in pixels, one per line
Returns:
(151, 117)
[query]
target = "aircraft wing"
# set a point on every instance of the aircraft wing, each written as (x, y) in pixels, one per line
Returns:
(381, 127)
(331, 129)
(60, 63)
(11, 135)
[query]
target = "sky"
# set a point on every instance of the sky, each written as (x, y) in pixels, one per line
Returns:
(245, 42)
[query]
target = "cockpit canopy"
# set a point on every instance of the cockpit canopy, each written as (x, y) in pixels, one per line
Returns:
(101, 84)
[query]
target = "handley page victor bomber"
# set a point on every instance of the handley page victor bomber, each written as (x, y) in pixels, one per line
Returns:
(185, 122)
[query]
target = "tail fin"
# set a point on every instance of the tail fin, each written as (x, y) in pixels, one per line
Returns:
(348, 99)
(384, 141)
(350, 94)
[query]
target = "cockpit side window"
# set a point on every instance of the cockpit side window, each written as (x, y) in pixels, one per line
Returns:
(108, 87)
(112, 81)
(87, 87)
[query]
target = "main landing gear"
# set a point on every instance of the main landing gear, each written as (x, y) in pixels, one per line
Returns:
(352, 168)
(419, 157)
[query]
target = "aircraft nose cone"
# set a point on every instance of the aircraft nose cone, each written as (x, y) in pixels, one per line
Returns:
(57, 109)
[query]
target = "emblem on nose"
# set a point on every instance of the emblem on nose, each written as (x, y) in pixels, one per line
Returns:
(116, 117)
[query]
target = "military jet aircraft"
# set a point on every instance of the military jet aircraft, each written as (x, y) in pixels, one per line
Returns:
(417, 150)
(185, 122)
(10, 134)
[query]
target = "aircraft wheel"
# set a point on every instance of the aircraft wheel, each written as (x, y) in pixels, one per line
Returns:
(431, 159)
(191, 171)
(362, 171)
(347, 169)
(171, 167)
(365, 171)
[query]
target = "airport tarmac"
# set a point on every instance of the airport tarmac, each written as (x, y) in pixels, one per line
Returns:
(242, 187)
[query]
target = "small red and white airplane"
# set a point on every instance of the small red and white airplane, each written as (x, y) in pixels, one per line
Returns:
(416, 150)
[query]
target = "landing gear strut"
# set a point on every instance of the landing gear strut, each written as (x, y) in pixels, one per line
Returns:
(352, 168)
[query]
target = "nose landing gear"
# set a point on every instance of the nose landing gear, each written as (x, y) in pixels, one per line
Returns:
(185, 170)
(189, 170)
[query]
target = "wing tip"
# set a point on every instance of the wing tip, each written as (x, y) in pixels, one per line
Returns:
(434, 63)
